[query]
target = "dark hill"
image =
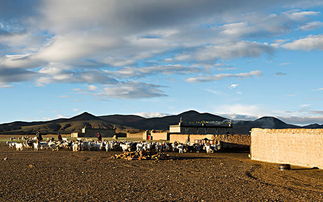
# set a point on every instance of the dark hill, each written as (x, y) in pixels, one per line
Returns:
(162, 123)
(123, 120)
(272, 123)
(73, 124)
(65, 125)
(313, 126)
(264, 122)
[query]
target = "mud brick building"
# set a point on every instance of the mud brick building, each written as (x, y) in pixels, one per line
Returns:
(91, 132)
(191, 131)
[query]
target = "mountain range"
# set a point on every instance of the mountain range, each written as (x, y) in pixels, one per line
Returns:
(132, 122)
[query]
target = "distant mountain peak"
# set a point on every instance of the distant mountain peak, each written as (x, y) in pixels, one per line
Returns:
(85, 116)
(190, 112)
(270, 118)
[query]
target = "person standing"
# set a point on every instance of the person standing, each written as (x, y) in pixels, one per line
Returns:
(39, 136)
(99, 136)
(59, 137)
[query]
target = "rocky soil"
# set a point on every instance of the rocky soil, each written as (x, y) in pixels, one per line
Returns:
(94, 176)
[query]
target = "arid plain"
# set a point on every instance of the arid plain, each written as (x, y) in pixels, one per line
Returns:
(93, 176)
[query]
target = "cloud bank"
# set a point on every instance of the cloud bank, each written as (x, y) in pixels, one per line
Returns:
(118, 43)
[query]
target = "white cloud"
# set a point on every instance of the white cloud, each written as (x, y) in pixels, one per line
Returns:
(222, 76)
(280, 74)
(15, 75)
(234, 85)
(259, 25)
(225, 68)
(78, 41)
(4, 85)
(132, 90)
(302, 120)
(146, 71)
(64, 48)
(312, 42)
(58, 73)
(19, 61)
(235, 29)
(311, 25)
(300, 15)
(236, 110)
(151, 114)
(216, 92)
(303, 116)
(229, 50)
(92, 88)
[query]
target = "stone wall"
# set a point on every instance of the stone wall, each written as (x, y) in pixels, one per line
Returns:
(303, 147)
(240, 139)
(229, 138)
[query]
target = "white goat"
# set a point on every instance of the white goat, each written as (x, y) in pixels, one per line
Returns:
(19, 146)
(108, 146)
(209, 149)
(11, 144)
(125, 146)
(53, 146)
(75, 146)
(139, 147)
(180, 148)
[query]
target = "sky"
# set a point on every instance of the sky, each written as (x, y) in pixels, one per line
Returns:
(240, 59)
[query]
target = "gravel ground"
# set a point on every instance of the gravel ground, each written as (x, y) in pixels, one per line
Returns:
(94, 176)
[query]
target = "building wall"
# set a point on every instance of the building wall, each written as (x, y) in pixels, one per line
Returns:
(91, 132)
(303, 147)
(174, 129)
(182, 138)
(136, 135)
(104, 132)
(158, 135)
(74, 134)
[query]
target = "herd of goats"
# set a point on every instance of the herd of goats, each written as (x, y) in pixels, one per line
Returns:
(90, 145)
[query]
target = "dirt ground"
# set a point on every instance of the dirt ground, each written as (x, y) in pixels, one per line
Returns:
(93, 176)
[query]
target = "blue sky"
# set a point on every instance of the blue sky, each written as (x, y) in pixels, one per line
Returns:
(239, 59)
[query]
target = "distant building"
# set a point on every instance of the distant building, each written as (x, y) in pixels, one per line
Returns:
(192, 131)
(149, 135)
(91, 132)
(201, 127)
